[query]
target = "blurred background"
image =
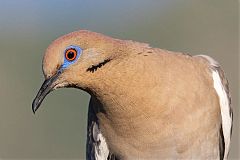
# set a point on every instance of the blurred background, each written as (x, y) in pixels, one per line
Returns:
(58, 130)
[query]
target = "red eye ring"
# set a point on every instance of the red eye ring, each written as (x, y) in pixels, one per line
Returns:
(70, 54)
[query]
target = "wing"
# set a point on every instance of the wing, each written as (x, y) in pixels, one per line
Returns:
(222, 89)
(97, 148)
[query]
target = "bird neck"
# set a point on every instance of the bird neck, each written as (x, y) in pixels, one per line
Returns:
(122, 95)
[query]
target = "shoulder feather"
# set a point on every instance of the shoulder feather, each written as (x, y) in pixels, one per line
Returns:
(97, 148)
(222, 89)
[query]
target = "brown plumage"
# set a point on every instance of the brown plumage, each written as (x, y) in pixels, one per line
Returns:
(146, 103)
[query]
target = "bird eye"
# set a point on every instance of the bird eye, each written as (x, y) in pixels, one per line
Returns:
(71, 54)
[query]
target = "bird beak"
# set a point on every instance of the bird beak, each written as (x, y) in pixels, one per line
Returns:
(46, 88)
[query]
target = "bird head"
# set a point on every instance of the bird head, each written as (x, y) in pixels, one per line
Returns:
(77, 60)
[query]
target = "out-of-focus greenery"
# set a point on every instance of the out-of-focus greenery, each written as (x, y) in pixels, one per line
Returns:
(58, 130)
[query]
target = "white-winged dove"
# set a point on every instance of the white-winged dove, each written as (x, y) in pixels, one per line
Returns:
(146, 103)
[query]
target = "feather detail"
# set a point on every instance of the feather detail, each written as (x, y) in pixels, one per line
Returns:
(222, 89)
(97, 148)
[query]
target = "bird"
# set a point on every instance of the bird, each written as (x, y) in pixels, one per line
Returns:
(146, 102)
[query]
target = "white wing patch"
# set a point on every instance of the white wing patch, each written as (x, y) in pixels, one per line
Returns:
(101, 149)
(224, 105)
(224, 100)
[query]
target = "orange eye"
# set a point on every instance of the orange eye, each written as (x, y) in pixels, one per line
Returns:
(71, 54)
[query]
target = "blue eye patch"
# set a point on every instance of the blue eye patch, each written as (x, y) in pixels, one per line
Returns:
(71, 55)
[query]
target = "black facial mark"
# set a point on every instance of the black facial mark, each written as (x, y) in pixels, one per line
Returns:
(93, 68)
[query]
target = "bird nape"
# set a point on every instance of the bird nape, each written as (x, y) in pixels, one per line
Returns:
(146, 103)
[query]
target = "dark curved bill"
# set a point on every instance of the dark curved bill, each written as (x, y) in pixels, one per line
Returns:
(46, 88)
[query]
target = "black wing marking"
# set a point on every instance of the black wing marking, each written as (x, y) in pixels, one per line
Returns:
(96, 144)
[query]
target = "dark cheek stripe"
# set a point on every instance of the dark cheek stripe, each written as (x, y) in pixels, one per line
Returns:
(93, 68)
